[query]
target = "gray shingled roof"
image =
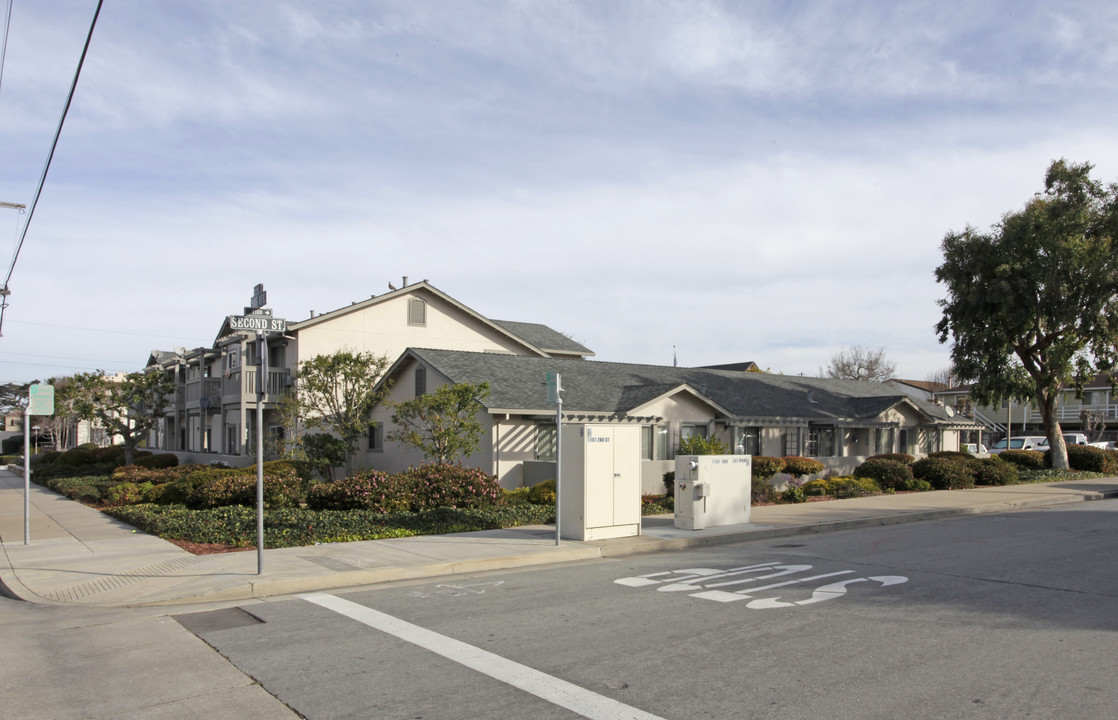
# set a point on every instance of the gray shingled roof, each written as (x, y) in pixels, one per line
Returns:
(543, 337)
(519, 383)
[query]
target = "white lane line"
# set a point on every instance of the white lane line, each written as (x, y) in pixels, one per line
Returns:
(559, 692)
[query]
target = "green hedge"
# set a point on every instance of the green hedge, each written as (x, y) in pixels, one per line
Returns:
(290, 527)
(944, 473)
(800, 466)
(889, 474)
(1024, 459)
(764, 467)
(842, 487)
(1087, 458)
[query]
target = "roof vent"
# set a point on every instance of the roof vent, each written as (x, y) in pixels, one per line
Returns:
(811, 398)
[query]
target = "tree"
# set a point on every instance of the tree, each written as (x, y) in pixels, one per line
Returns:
(338, 391)
(1032, 305)
(860, 363)
(946, 376)
(130, 407)
(441, 424)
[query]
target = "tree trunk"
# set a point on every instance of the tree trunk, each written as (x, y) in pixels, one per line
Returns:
(1056, 446)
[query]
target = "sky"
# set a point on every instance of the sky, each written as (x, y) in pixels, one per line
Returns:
(709, 181)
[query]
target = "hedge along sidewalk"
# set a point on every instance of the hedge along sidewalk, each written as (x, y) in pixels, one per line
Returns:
(83, 557)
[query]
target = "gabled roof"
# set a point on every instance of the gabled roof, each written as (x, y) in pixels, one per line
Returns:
(544, 337)
(518, 383)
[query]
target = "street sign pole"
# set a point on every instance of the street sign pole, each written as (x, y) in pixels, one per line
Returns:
(26, 476)
(554, 394)
(261, 386)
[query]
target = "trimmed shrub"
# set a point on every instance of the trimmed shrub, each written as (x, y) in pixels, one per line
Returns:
(113, 454)
(517, 496)
(916, 485)
(12, 445)
(995, 471)
(698, 445)
(126, 493)
(896, 457)
(951, 454)
(162, 460)
(842, 486)
(76, 457)
(889, 474)
(1088, 459)
(1025, 459)
(669, 483)
(799, 466)
(370, 490)
(764, 467)
(944, 473)
(542, 493)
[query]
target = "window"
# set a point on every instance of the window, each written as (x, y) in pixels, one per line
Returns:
(905, 440)
(883, 440)
(654, 442)
(747, 441)
(791, 442)
(545, 442)
(687, 431)
(820, 442)
(930, 440)
(376, 438)
(420, 381)
(417, 312)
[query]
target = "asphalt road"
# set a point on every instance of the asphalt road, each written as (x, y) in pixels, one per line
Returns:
(998, 616)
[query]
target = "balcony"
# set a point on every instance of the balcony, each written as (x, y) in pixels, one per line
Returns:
(1071, 412)
(243, 383)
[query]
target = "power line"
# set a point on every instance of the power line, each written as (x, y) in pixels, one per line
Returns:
(50, 156)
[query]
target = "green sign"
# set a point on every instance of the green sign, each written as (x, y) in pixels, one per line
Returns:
(41, 400)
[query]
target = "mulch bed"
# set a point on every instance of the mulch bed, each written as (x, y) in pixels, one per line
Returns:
(209, 548)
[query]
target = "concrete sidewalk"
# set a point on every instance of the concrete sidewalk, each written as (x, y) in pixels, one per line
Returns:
(78, 556)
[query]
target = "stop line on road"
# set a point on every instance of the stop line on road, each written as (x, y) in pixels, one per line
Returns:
(725, 585)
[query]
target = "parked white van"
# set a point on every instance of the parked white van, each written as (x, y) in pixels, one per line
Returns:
(1020, 442)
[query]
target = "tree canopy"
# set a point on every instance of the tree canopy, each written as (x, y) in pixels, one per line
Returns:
(1032, 304)
(442, 424)
(860, 363)
(338, 391)
(130, 406)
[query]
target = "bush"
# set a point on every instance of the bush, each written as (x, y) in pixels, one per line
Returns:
(801, 466)
(697, 445)
(1088, 459)
(669, 483)
(1025, 459)
(76, 457)
(162, 460)
(542, 493)
(995, 471)
(234, 488)
(762, 491)
(370, 490)
(889, 474)
(113, 454)
(765, 467)
(944, 473)
(12, 445)
(951, 455)
(657, 504)
(128, 493)
(842, 487)
(896, 457)
(916, 485)
(445, 485)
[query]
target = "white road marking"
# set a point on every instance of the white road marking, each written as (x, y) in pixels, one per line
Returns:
(826, 592)
(552, 689)
(723, 596)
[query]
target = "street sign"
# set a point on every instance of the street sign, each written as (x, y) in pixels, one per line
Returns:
(41, 400)
(554, 387)
(258, 323)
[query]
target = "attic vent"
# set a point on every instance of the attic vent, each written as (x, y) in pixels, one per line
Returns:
(417, 312)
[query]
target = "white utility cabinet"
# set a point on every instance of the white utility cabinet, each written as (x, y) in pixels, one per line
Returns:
(600, 491)
(712, 490)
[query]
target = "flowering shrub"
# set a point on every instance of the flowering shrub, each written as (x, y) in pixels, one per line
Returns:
(439, 485)
(127, 493)
(367, 490)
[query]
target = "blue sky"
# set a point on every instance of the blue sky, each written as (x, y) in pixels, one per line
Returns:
(765, 181)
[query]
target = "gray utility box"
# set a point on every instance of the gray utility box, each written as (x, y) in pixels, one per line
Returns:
(600, 490)
(712, 490)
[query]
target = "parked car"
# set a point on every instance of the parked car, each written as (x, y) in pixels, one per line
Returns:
(1020, 442)
(975, 448)
(1077, 439)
